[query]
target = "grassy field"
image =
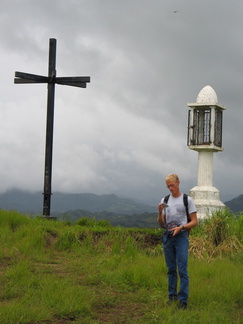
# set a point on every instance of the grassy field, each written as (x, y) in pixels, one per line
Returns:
(90, 272)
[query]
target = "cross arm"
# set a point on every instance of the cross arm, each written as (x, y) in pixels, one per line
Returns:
(21, 77)
(73, 81)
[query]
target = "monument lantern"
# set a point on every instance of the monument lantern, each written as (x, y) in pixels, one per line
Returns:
(205, 122)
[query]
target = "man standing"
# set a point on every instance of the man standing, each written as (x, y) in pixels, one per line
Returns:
(173, 218)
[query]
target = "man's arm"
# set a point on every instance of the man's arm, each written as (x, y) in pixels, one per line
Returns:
(161, 216)
(193, 222)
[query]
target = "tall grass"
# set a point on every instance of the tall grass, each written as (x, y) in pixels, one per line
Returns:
(218, 236)
(91, 272)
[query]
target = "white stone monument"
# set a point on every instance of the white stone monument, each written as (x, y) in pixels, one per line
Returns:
(205, 121)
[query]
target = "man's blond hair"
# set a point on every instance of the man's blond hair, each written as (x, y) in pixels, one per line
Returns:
(172, 176)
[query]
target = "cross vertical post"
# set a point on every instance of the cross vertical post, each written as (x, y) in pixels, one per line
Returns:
(51, 80)
(49, 129)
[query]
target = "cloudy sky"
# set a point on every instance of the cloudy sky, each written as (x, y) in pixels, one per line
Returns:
(128, 129)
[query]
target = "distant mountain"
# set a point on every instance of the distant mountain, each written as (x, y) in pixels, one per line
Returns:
(61, 202)
(139, 220)
(111, 207)
(21, 201)
(236, 204)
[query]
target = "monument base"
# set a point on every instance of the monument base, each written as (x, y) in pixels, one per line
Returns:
(207, 200)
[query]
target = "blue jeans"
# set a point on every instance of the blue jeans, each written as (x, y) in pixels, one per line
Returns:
(176, 256)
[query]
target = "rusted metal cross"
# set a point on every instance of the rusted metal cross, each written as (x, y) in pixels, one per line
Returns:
(51, 80)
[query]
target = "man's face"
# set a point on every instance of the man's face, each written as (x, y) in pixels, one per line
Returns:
(173, 186)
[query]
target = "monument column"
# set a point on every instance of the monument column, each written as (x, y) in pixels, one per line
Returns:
(205, 168)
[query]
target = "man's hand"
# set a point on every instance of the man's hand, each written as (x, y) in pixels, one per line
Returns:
(176, 230)
(160, 208)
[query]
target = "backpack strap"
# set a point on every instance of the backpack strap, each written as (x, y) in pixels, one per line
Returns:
(185, 200)
(166, 199)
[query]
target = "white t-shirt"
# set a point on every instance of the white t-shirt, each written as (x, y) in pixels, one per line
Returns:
(175, 214)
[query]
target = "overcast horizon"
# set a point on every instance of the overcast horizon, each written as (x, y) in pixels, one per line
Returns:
(128, 129)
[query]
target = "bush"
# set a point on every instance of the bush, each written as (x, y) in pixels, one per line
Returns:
(220, 235)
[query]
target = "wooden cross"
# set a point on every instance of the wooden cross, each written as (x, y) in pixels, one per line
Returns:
(51, 80)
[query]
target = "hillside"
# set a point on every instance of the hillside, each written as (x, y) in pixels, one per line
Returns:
(142, 220)
(93, 273)
(236, 204)
(28, 202)
(118, 211)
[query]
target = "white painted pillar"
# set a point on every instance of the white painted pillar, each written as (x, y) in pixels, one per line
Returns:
(205, 169)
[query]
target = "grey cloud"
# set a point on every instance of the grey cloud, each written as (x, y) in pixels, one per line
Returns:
(128, 128)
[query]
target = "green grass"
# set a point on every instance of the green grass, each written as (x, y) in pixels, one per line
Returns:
(91, 272)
